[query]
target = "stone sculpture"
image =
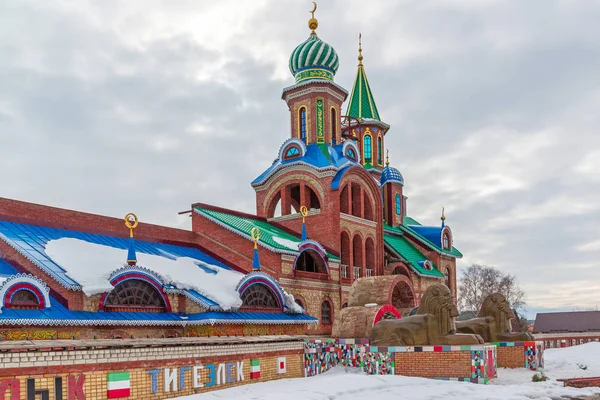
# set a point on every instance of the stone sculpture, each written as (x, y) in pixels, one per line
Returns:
(493, 322)
(432, 325)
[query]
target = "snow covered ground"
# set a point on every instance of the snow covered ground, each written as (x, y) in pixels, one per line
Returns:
(350, 383)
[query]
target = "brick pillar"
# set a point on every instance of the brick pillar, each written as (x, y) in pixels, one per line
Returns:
(350, 198)
(304, 196)
(362, 203)
(286, 205)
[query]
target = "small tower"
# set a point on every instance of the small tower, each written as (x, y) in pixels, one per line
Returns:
(315, 100)
(365, 125)
(394, 203)
(131, 222)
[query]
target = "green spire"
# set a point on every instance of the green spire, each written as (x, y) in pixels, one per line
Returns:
(362, 105)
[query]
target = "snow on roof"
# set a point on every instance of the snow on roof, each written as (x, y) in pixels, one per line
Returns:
(91, 264)
(290, 244)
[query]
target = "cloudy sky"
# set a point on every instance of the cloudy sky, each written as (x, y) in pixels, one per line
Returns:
(148, 106)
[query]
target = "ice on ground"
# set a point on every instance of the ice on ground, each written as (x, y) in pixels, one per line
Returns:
(351, 383)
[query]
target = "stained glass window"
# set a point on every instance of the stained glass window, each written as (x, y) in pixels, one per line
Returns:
(367, 148)
(379, 151)
(398, 204)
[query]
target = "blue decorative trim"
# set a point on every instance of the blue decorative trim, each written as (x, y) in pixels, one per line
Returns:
(135, 269)
(25, 279)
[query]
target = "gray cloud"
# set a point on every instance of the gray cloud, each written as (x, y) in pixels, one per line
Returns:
(150, 107)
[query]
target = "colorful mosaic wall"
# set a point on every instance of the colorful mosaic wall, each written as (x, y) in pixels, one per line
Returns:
(466, 363)
(320, 356)
(521, 355)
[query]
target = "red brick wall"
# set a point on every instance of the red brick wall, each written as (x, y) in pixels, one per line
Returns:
(510, 357)
(447, 364)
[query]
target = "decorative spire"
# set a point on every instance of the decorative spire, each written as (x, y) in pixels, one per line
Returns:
(443, 217)
(255, 234)
(304, 212)
(387, 157)
(312, 22)
(131, 221)
(362, 104)
(360, 57)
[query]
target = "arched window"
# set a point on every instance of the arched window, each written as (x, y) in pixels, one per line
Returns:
(24, 300)
(379, 151)
(292, 152)
(259, 296)
(302, 123)
(351, 154)
(367, 149)
(446, 242)
(333, 126)
(135, 295)
(447, 277)
(398, 204)
(326, 317)
(310, 261)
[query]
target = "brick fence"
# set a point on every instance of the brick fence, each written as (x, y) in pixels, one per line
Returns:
(150, 369)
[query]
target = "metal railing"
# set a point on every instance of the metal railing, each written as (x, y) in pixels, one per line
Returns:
(369, 272)
(345, 271)
(356, 272)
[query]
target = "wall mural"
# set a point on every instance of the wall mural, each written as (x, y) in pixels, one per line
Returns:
(74, 389)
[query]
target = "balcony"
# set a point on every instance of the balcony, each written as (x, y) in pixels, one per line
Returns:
(369, 272)
(356, 273)
(345, 271)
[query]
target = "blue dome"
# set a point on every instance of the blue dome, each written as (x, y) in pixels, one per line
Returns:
(391, 174)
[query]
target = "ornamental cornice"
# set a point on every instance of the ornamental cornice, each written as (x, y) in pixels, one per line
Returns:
(314, 89)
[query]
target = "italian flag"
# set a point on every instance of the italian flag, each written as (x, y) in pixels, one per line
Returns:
(119, 385)
(254, 369)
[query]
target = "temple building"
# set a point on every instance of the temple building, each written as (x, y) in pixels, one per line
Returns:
(330, 210)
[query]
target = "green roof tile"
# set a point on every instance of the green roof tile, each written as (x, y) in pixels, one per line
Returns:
(410, 253)
(362, 104)
(270, 235)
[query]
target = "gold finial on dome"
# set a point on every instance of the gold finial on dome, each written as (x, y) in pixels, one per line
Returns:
(443, 216)
(360, 56)
(312, 22)
(387, 157)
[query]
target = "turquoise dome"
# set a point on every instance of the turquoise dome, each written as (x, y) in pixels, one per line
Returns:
(314, 59)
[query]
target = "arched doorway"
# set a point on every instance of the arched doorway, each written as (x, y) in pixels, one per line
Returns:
(345, 254)
(403, 297)
(357, 257)
(370, 256)
(310, 261)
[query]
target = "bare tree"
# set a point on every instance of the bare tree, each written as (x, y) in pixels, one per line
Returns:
(478, 281)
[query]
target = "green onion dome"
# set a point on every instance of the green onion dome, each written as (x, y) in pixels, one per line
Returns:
(314, 59)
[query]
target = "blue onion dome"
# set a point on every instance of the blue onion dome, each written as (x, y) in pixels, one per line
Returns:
(314, 58)
(391, 174)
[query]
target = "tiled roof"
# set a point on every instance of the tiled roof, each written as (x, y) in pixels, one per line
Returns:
(320, 156)
(430, 236)
(575, 321)
(58, 315)
(31, 241)
(271, 236)
(401, 246)
(362, 104)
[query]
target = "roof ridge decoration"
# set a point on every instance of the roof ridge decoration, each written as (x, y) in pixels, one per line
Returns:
(255, 235)
(362, 104)
(137, 269)
(25, 280)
